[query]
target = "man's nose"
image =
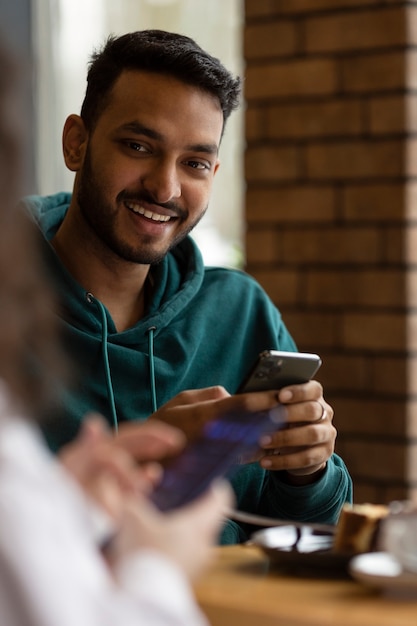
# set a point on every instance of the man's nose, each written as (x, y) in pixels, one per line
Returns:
(163, 181)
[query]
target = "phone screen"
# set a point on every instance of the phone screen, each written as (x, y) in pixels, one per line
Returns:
(216, 453)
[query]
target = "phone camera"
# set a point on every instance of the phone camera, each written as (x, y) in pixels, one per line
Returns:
(274, 371)
(273, 368)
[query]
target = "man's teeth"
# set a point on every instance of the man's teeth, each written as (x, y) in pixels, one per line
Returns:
(157, 217)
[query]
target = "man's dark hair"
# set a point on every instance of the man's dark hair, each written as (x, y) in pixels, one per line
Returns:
(161, 52)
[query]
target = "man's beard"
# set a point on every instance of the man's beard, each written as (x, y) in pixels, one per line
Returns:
(101, 218)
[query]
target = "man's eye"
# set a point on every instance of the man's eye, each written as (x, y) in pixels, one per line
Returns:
(137, 147)
(197, 165)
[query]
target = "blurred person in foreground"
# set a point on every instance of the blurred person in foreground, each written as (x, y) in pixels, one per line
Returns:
(52, 570)
(153, 331)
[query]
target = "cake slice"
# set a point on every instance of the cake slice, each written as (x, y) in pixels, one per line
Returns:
(357, 528)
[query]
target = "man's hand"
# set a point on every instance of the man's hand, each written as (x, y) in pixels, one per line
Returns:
(303, 447)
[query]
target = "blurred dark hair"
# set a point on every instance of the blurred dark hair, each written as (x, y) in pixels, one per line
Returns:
(161, 52)
(30, 356)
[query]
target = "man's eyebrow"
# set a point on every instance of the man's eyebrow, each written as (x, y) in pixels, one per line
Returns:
(140, 129)
(208, 148)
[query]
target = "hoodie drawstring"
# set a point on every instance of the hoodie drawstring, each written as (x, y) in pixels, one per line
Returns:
(104, 334)
(151, 330)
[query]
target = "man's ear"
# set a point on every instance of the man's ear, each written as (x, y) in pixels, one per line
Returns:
(74, 142)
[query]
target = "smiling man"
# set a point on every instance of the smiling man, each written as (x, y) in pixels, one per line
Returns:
(152, 330)
(144, 172)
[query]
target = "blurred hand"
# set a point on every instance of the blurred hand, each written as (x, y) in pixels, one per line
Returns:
(109, 473)
(184, 536)
(105, 467)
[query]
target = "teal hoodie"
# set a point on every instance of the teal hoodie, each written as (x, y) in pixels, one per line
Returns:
(204, 326)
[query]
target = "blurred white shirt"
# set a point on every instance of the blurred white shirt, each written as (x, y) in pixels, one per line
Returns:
(51, 572)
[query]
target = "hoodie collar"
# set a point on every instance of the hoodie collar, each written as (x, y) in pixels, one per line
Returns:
(177, 278)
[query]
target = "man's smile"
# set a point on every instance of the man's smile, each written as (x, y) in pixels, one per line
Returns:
(140, 210)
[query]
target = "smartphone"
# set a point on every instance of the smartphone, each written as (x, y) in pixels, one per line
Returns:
(275, 369)
(215, 453)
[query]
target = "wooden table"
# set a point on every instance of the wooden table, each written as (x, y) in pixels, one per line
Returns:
(241, 589)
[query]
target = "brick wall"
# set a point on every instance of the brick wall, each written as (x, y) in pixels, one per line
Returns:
(331, 208)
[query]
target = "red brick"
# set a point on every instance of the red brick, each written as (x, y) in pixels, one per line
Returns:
(307, 328)
(410, 188)
(377, 493)
(307, 77)
(290, 205)
(410, 279)
(411, 319)
(375, 72)
(271, 163)
(379, 202)
(333, 245)
(268, 8)
(258, 8)
(410, 148)
(365, 288)
(344, 372)
(262, 246)
(392, 114)
(308, 6)
(254, 123)
(361, 30)
(410, 245)
(272, 39)
(376, 331)
(393, 249)
(355, 160)
(374, 459)
(368, 416)
(347, 125)
(368, 491)
(391, 375)
(401, 247)
(281, 287)
(324, 119)
(383, 378)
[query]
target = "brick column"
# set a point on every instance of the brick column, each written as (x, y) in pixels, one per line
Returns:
(331, 209)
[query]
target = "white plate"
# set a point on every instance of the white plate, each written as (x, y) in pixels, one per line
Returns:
(382, 571)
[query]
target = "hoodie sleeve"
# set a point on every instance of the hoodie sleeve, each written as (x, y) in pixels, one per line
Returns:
(262, 492)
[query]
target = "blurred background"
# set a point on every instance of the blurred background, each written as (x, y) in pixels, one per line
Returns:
(59, 36)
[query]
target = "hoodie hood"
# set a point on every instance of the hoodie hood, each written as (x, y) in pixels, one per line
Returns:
(176, 279)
